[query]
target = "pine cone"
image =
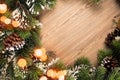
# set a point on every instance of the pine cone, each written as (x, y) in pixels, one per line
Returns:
(109, 63)
(115, 35)
(13, 42)
(21, 18)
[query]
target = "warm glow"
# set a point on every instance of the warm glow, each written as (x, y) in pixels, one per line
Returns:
(61, 77)
(15, 23)
(3, 18)
(38, 53)
(3, 8)
(51, 73)
(61, 73)
(43, 58)
(22, 63)
(7, 21)
(41, 54)
(43, 78)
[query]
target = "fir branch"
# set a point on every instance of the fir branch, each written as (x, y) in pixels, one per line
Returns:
(102, 54)
(24, 34)
(58, 65)
(33, 73)
(115, 75)
(82, 60)
(116, 50)
(100, 73)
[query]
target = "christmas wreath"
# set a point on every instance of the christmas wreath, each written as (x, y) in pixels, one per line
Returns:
(22, 56)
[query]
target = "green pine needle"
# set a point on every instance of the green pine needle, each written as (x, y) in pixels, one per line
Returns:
(102, 54)
(116, 49)
(84, 74)
(24, 34)
(115, 75)
(82, 60)
(59, 65)
(100, 73)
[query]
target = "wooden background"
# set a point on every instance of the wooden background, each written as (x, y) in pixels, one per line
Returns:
(74, 28)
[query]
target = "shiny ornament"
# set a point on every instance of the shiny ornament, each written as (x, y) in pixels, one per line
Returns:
(22, 63)
(3, 8)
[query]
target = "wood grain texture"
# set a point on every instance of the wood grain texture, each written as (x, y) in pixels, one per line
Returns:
(74, 29)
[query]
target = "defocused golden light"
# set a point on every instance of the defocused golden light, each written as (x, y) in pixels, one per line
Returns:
(3, 8)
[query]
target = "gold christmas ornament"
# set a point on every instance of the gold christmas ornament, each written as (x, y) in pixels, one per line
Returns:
(43, 78)
(22, 63)
(3, 8)
(15, 23)
(40, 54)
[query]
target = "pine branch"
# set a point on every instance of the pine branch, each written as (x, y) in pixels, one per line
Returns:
(59, 65)
(82, 60)
(100, 73)
(102, 54)
(115, 75)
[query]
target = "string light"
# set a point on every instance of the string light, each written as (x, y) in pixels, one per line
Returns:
(5, 20)
(3, 8)
(22, 63)
(43, 78)
(56, 74)
(40, 54)
(52, 73)
(15, 23)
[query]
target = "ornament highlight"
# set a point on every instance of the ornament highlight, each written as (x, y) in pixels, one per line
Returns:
(22, 63)
(3, 8)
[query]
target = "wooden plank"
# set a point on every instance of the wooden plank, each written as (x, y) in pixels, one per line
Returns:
(74, 29)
